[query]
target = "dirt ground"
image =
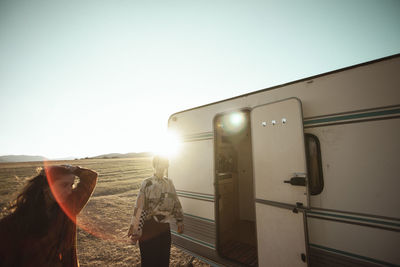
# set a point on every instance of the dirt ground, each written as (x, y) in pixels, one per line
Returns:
(104, 222)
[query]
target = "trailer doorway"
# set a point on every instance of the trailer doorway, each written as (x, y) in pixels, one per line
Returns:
(234, 185)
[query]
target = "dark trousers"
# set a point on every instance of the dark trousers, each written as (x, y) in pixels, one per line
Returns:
(155, 244)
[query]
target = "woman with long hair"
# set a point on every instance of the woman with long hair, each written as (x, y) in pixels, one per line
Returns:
(156, 205)
(40, 226)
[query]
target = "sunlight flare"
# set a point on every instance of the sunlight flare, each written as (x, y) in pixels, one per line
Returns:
(168, 144)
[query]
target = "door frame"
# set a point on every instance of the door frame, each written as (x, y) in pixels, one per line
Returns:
(216, 186)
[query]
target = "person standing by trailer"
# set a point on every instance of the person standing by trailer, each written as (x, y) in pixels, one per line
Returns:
(156, 204)
(40, 227)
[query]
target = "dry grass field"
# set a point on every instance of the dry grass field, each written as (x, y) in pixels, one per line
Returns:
(104, 222)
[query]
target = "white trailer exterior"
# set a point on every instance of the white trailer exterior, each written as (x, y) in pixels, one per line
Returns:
(339, 133)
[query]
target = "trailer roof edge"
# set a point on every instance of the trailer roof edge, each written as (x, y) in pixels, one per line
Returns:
(292, 82)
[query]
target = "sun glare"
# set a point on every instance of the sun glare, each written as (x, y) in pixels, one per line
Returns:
(236, 119)
(167, 145)
(234, 122)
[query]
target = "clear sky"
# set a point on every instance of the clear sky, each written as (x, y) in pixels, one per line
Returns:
(89, 77)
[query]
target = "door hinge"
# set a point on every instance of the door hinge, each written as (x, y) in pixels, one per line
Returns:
(299, 205)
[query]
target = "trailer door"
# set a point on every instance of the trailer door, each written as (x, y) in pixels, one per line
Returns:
(281, 194)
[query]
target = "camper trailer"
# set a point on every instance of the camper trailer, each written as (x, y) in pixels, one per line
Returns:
(301, 174)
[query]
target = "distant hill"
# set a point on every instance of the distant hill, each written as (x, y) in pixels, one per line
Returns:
(21, 158)
(64, 158)
(126, 155)
(26, 158)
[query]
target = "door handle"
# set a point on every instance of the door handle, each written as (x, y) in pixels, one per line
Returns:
(297, 181)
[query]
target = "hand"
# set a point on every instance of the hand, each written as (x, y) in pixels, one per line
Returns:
(71, 168)
(180, 229)
(134, 238)
(130, 231)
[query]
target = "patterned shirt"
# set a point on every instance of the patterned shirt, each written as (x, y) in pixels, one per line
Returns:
(156, 199)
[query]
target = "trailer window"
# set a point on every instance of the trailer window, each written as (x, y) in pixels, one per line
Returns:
(314, 164)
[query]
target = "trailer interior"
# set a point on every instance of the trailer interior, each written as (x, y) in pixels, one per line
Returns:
(234, 185)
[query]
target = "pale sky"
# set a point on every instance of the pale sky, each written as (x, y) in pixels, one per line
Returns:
(83, 78)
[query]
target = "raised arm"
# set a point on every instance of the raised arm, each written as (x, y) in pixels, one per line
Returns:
(81, 194)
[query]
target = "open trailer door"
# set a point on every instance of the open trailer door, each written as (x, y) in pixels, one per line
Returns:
(281, 194)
